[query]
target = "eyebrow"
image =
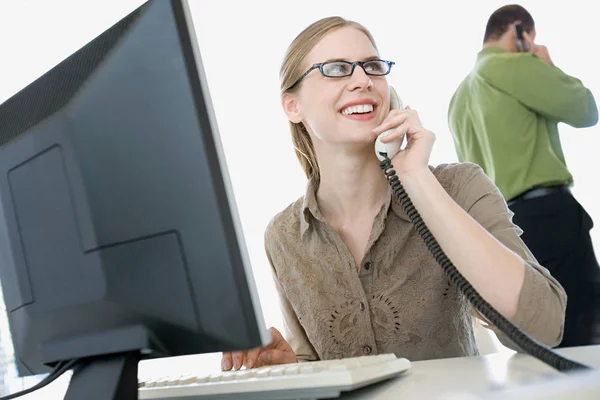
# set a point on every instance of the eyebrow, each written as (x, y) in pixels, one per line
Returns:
(370, 58)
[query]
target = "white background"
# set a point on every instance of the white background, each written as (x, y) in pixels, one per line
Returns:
(434, 45)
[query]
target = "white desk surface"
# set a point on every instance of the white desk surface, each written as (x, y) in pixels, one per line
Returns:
(465, 378)
(476, 377)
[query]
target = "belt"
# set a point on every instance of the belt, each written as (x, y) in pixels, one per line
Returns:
(538, 192)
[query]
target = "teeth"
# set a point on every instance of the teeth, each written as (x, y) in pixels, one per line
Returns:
(362, 108)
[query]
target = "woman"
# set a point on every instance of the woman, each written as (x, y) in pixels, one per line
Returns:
(353, 276)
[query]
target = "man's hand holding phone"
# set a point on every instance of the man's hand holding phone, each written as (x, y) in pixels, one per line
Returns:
(539, 50)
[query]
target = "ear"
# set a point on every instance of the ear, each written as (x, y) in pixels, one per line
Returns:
(290, 107)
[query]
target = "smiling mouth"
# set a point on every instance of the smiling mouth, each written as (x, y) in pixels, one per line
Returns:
(358, 109)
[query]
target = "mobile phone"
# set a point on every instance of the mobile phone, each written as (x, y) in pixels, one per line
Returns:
(521, 43)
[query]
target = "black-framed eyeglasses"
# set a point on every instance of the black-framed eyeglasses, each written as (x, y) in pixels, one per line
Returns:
(341, 69)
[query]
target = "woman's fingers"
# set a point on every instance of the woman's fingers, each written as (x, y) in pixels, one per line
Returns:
(252, 357)
(394, 119)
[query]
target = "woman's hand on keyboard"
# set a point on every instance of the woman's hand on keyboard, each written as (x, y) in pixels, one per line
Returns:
(278, 351)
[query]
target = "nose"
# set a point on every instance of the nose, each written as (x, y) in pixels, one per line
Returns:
(359, 80)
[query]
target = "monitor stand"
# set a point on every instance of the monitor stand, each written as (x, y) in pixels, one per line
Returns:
(108, 377)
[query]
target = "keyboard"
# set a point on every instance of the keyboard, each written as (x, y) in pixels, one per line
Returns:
(305, 380)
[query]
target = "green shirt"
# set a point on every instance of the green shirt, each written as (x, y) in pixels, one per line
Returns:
(504, 117)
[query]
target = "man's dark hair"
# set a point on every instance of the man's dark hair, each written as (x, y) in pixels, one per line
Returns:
(503, 17)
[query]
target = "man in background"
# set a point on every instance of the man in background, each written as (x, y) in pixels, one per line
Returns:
(504, 117)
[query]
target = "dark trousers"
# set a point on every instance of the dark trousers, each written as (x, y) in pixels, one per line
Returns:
(556, 228)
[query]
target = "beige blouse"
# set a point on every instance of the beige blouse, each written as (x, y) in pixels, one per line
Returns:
(400, 300)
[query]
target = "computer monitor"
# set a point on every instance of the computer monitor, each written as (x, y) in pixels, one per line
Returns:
(120, 237)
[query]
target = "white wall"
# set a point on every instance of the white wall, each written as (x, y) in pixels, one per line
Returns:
(434, 44)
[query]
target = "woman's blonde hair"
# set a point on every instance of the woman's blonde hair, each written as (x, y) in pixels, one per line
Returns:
(293, 67)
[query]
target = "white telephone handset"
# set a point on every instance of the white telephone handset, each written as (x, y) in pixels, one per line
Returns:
(390, 148)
